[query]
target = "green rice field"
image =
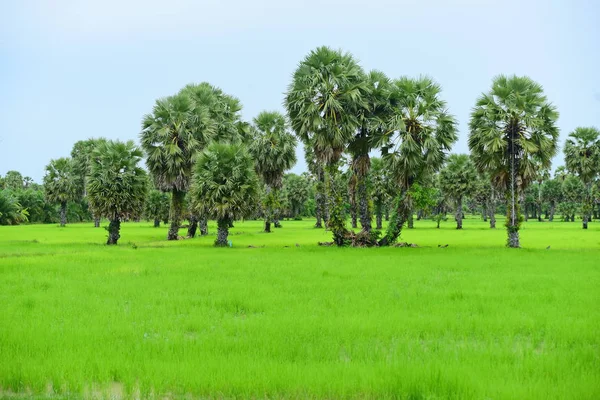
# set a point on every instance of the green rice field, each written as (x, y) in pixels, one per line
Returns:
(287, 319)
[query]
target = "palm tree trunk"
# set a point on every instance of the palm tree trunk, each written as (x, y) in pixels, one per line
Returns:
(267, 225)
(337, 220)
(96, 222)
(175, 214)
(387, 212)
(552, 208)
(269, 198)
(512, 220)
(63, 213)
(459, 214)
(203, 226)
(402, 210)
(379, 215)
(193, 226)
(352, 197)
(411, 221)
(364, 164)
(222, 232)
(156, 223)
(114, 228)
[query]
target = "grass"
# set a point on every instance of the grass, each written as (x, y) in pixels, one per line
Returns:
(156, 319)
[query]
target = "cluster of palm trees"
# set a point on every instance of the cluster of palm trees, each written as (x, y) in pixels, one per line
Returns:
(211, 164)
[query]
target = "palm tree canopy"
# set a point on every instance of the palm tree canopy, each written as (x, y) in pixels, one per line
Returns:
(514, 106)
(322, 101)
(421, 130)
(61, 183)
(225, 185)
(459, 176)
(170, 143)
(273, 148)
(582, 153)
(117, 184)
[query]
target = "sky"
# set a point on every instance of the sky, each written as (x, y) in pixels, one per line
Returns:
(71, 70)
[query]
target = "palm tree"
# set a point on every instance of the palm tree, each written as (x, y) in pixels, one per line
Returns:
(322, 103)
(11, 211)
(274, 152)
(513, 133)
(458, 179)
(552, 194)
(374, 118)
(225, 186)
(169, 139)
(582, 157)
(296, 189)
(116, 184)
(157, 206)
(418, 145)
(61, 185)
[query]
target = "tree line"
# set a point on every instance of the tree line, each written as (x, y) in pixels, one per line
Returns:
(206, 162)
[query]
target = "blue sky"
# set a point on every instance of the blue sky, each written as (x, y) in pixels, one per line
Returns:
(70, 70)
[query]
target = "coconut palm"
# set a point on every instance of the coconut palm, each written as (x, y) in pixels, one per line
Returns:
(169, 139)
(274, 152)
(513, 133)
(61, 185)
(322, 103)
(225, 186)
(458, 179)
(116, 184)
(582, 157)
(417, 146)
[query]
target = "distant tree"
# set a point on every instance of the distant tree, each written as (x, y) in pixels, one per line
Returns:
(296, 189)
(573, 193)
(513, 132)
(116, 184)
(11, 212)
(225, 186)
(458, 179)
(418, 148)
(13, 180)
(322, 102)
(157, 206)
(61, 185)
(552, 194)
(274, 152)
(582, 157)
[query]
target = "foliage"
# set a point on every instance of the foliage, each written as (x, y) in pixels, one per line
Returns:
(513, 134)
(11, 212)
(61, 183)
(225, 185)
(117, 184)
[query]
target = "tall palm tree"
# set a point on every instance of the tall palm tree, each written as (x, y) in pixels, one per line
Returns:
(513, 133)
(582, 157)
(322, 103)
(374, 118)
(274, 152)
(61, 185)
(170, 141)
(116, 184)
(225, 186)
(457, 179)
(417, 146)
